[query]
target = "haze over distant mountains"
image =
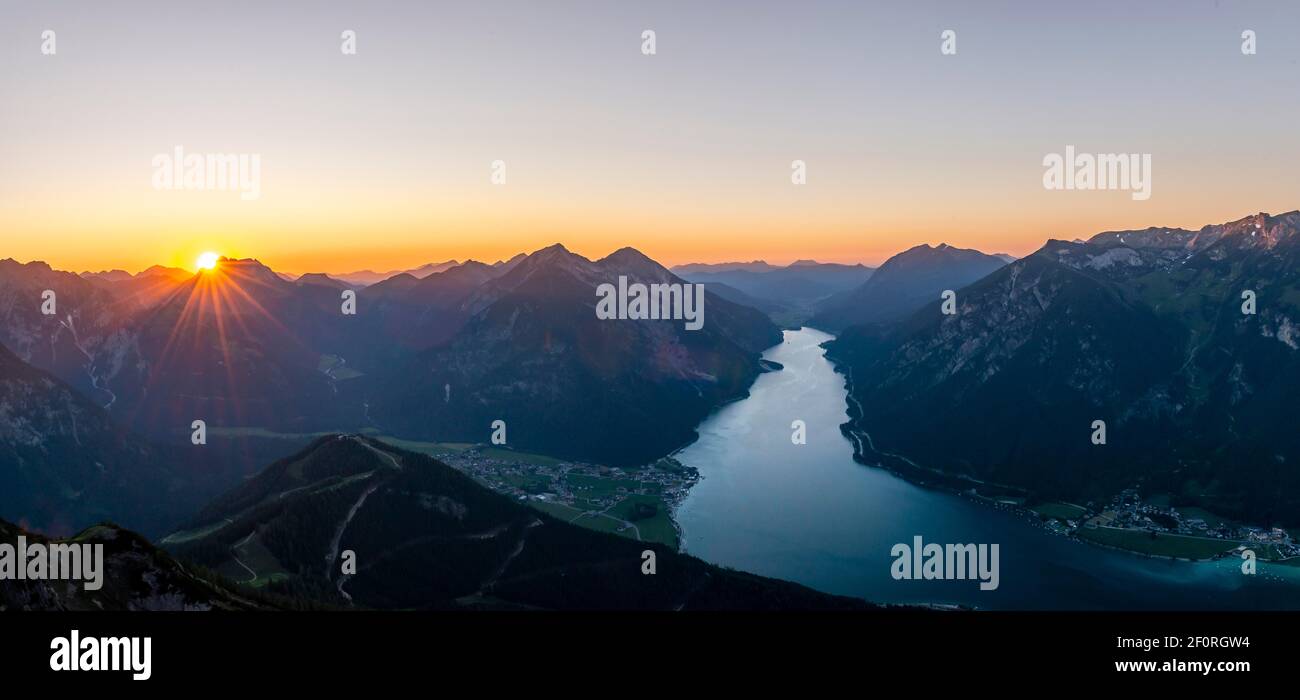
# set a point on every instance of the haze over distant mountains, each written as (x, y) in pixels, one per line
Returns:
(788, 294)
(903, 284)
(368, 277)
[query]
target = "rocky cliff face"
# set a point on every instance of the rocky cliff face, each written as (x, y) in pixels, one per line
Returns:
(86, 342)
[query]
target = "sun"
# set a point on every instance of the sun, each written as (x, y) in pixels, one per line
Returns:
(207, 261)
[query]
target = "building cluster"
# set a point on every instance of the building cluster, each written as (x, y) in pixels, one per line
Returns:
(1127, 510)
(595, 486)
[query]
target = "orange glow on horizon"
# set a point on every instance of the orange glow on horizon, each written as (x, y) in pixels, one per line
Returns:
(353, 240)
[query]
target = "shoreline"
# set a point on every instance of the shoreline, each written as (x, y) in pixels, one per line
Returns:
(911, 472)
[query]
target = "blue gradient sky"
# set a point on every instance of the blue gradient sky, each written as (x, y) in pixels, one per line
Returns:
(381, 159)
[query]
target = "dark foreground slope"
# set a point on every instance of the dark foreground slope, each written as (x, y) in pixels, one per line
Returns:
(137, 576)
(426, 536)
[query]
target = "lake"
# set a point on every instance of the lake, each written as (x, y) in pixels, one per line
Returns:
(810, 513)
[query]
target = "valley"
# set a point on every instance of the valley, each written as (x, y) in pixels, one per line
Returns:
(789, 294)
(825, 516)
(657, 435)
(426, 536)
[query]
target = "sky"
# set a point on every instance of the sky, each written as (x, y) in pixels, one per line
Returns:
(382, 159)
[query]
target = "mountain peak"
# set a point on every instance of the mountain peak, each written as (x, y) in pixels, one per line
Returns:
(924, 250)
(751, 266)
(905, 283)
(320, 279)
(554, 254)
(114, 275)
(552, 257)
(1263, 230)
(433, 268)
(504, 266)
(242, 261)
(250, 269)
(163, 270)
(370, 277)
(635, 264)
(34, 264)
(627, 255)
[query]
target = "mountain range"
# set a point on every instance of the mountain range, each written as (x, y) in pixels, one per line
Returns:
(531, 352)
(903, 284)
(369, 277)
(1182, 342)
(365, 278)
(1144, 330)
(438, 357)
(787, 293)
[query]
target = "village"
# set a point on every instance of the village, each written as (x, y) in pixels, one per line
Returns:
(634, 502)
(1157, 528)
